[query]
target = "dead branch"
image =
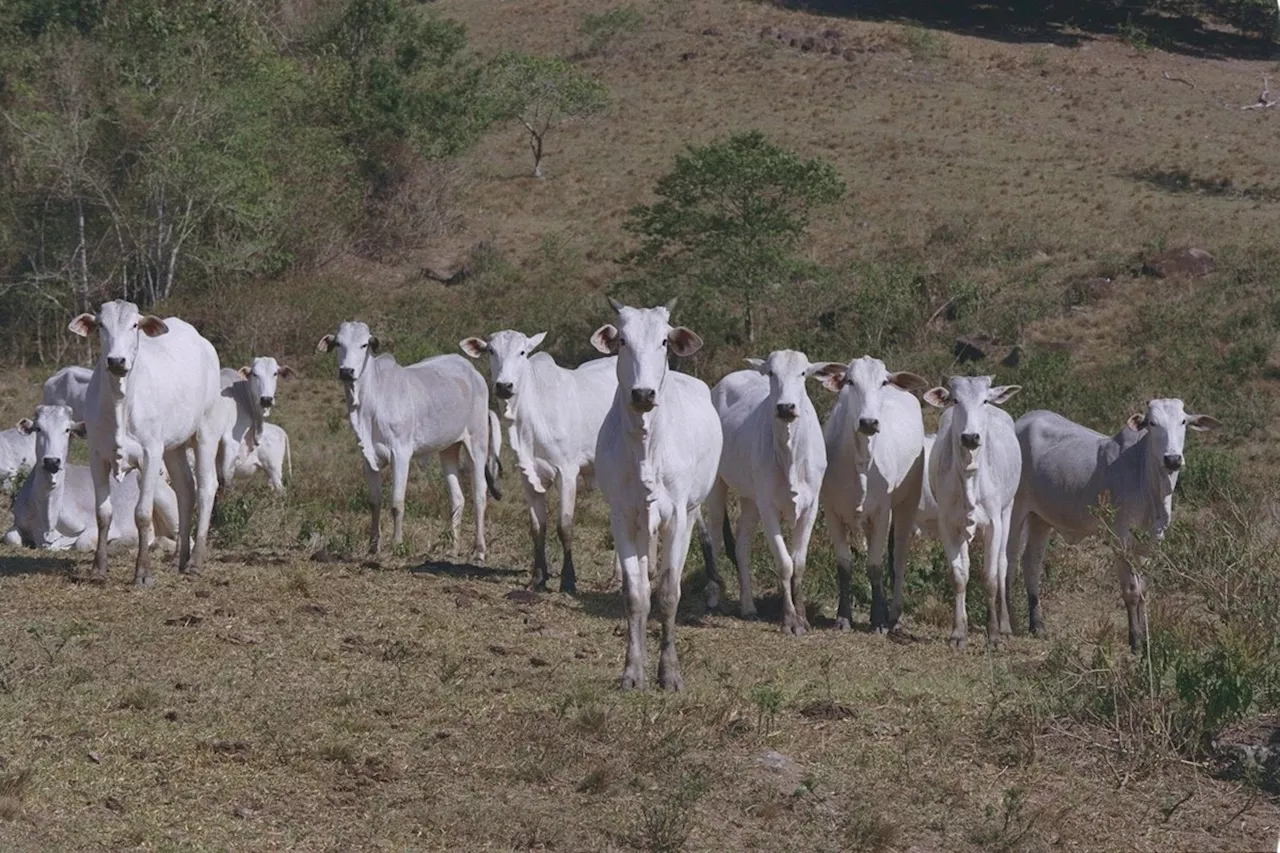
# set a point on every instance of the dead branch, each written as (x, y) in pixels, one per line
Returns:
(1264, 99)
(1173, 79)
(936, 314)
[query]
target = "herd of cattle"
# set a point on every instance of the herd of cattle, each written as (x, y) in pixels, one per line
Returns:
(657, 443)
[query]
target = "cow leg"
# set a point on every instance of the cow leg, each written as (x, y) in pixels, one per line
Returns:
(148, 475)
(206, 489)
(792, 623)
(877, 532)
(449, 462)
(675, 545)
(748, 518)
(1006, 628)
(801, 533)
(182, 481)
(1133, 590)
(373, 480)
(564, 528)
(844, 571)
(1037, 532)
(479, 497)
(100, 470)
(993, 541)
(957, 550)
(713, 514)
(630, 544)
(399, 488)
(537, 502)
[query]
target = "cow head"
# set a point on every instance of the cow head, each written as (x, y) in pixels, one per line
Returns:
(969, 397)
(355, 345)
(787, 370)
(509, 353)
(53, 428)
(865, 385)
(120, 326)
(1166, 421)
(262, 377)
(641, 340)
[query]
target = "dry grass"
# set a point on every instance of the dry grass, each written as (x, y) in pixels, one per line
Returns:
(406, 703)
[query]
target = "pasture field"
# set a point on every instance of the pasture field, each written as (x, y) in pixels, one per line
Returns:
(301, 696)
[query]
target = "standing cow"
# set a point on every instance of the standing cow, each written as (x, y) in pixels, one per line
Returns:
(656, 461)
(68, 387)
(438, 405)
(1066, 470)
(245, 401)
(875, 470)
(153, 394)
(974, 469)
(554, 416)
(774, 459)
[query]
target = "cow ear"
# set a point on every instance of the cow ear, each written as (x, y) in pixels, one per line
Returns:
(830, 373)
(474, 347)
(1002, 394)
(684, 342)
(26, 426)
(939, 397)
(1203, 423)
(605, 338)
(79, 430)
(286, 372)
(152, 326)
(1137, 422)
(325, 344)
(757, 363)
(245, 372)
(534, 342)
(908, 381)
(374, 343)
(84, 325)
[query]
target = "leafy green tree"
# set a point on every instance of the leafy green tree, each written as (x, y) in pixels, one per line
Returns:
(541, 92)
(728, 223)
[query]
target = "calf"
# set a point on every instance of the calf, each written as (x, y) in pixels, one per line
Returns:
(656, 460)
(553, 417)
(774, 459)
(153, 394)
(874, 476)
(974, 468)
(1066, 470)
(245, 401)
(55, 507)
(271, 455)
(438, 405)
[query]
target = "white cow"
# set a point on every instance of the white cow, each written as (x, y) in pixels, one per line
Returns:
(774, 459)
(974, 469)
(271, 455)
(55, 508)
(927, 513)
(874, 477)
(246, 398)
(17, 454)
(438, 405)
(153, 394)
(1067, 467)
(553, 417)
(656, 461)
(68, 387)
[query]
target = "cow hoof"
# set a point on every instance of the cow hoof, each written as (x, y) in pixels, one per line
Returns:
(958, 643)
(631, 682)
(750, 616)
(144, 581)
(99, 578)
(569, 588)
(995, 641)
(795, 628)
(844, 623)
(881, 629)
(671, 681)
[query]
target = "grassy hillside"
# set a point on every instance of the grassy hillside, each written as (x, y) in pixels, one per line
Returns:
(413, 702)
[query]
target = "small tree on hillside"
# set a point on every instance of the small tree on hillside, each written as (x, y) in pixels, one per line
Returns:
(730, 218)
(541, 92)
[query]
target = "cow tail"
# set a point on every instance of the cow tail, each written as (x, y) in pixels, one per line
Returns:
(493, 464)
(288, 458)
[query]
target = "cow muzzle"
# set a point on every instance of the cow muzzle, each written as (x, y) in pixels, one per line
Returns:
(643, 399)
(503, 390)
(51, 464)
(970, 440)
(266, 402)
(1173, 461)
(117, 366)
(786, 411)
(868, 426)
(346, 374)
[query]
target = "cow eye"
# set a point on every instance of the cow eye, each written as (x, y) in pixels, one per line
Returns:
(521, 352)
(664, 342)
(365, 346)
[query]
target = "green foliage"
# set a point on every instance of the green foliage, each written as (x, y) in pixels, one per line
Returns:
(665, 824)
(541, 92)
(727, 227)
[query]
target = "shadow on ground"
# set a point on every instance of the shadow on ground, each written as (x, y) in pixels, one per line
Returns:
(15, 566)
(446, 569)
(1072, 23)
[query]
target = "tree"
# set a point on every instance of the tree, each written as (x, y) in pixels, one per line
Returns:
(730, 218)
(541, 92)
